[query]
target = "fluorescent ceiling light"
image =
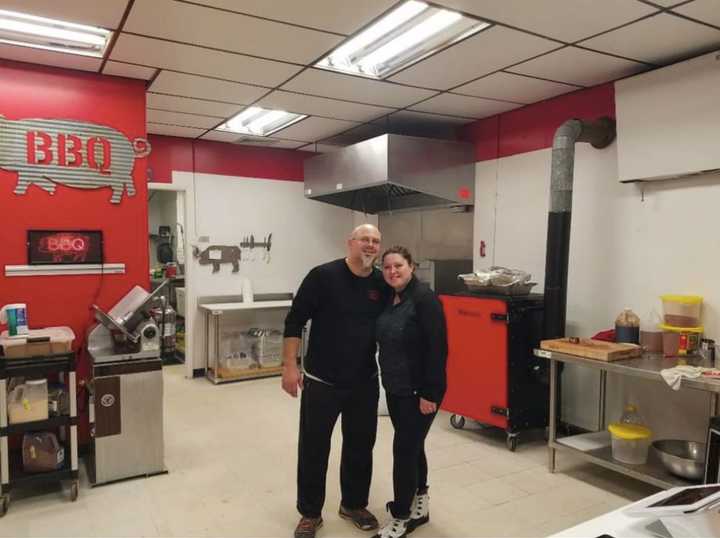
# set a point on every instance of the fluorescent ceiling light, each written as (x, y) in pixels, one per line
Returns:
(50, 34)
(405, 35)
(259, 121)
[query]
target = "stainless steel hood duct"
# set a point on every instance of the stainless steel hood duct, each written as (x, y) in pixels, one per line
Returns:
(394, 172)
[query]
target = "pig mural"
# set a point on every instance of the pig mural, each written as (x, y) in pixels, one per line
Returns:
(72, 153)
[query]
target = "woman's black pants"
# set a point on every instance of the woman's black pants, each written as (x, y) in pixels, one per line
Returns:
(410, 468)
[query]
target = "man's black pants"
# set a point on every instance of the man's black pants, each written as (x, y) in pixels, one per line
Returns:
(410, 468)
(320, 406)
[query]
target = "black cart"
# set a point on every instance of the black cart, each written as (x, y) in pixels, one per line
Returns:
(12, 475)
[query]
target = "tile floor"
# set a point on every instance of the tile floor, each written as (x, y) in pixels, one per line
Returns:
(231, 453)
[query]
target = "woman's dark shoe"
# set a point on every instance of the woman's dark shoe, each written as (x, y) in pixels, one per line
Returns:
(361, 518)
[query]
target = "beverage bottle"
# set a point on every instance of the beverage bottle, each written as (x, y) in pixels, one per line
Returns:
(627, 327)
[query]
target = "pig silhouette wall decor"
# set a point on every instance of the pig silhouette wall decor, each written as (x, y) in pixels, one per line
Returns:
(73, 153)
(216, 255)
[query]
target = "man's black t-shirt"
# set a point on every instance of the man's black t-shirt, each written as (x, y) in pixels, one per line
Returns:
(343, 308)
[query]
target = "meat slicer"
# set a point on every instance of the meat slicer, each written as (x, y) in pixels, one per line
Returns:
(127, 331)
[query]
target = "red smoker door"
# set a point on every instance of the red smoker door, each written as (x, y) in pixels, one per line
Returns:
(477, 358)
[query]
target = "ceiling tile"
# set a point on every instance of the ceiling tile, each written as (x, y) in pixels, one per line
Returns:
(567, 20)
(128, 70)
(488, 51)
(329, 15)
(702, 10)
(578, 66)
(173, 130)
(245, 140)
(312, 129)
(205, 88)
(105, 14)
(321, 106)
(227, 31)
(192, 106)
(200, 61)
(47, 57)
(184, 120)
(517, 88)
(324, 83)
(681, 39)
(460, 105)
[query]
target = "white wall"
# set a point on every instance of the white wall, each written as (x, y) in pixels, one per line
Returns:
(305, 233)
(625, 251)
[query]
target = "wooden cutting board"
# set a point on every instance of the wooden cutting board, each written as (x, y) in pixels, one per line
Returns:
(593, 349)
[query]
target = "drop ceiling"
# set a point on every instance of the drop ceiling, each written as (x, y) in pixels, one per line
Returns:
(206, 60)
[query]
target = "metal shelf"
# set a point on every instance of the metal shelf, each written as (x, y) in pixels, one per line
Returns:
(651, 472)
(20, 478)
(38, 425)
(40, 366)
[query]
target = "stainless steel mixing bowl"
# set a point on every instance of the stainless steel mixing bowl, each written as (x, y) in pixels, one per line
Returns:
(682, 458)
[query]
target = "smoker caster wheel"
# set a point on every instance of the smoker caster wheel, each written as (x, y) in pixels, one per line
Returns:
(457, 422)
(4, 505)
(511, 442)
(74, 491)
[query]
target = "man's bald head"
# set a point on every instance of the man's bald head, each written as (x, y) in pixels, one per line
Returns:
(364, 229)
(364, 245)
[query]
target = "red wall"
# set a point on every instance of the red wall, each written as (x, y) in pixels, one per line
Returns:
(185, 155)
(40, 92)
(532, 127)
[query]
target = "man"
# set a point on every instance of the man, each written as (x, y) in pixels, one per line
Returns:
(343, 298)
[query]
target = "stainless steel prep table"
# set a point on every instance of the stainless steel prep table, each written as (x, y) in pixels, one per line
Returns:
(647, 367)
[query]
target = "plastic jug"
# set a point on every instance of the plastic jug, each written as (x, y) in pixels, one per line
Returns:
(631, 416)
(28, 402)
(627, 327)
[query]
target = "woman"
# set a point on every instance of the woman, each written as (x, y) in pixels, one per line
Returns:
(412, 336)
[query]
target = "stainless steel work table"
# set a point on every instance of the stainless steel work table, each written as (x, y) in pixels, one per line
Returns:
(587, 445)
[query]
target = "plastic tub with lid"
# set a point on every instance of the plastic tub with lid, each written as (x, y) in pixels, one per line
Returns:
(682, 310)
(48, 341)
(630, 442)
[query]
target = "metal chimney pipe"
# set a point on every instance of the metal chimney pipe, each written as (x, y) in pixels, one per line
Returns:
(600, 134)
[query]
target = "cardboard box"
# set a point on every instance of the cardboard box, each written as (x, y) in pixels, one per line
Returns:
(38, 342)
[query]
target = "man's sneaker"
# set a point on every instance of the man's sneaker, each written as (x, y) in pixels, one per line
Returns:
(360, 517)
(419, 511)
(395, 528)
(307, 527)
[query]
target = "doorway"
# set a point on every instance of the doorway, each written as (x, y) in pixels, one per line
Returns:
(170, 219)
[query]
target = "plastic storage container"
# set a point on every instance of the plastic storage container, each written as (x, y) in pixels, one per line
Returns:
(680, 340)
(682, 310)
(630, 442)
(630, 438)
(28, 402)
(627, 327)
(38, 342)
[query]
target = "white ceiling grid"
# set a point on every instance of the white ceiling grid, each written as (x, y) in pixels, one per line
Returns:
(205, 60)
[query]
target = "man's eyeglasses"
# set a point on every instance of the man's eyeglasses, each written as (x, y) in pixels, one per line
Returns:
(367, 240)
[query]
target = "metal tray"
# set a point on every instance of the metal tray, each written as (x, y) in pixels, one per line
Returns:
(515, 289)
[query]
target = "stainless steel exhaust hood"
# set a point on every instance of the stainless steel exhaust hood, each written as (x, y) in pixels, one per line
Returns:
(393, 172)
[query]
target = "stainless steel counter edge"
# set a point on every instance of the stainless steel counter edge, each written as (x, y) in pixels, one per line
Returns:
(648, 366)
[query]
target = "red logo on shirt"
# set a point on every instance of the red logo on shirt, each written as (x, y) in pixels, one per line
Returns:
(374, 295)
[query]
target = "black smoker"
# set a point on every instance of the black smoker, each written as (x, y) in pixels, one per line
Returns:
(599, 133)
